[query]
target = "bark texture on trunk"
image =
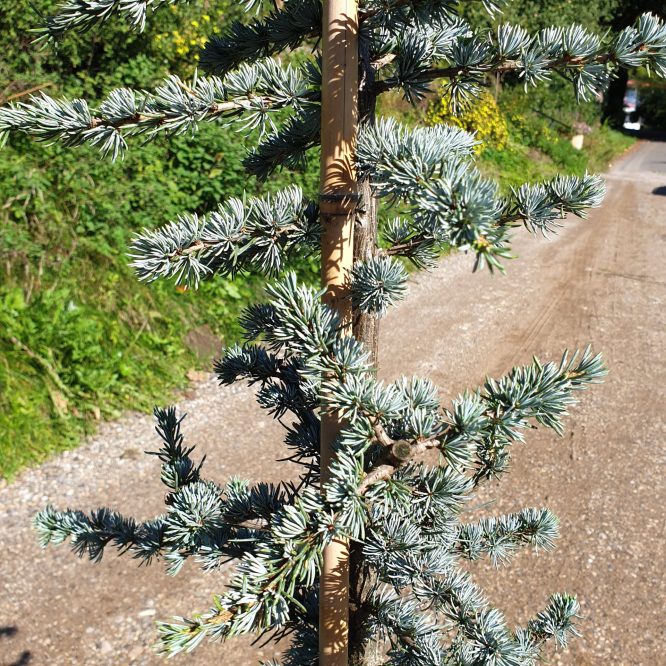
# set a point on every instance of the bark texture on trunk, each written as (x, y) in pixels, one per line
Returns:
(364, 650)
(366, 327)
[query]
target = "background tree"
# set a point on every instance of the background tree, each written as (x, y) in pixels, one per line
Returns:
(403, 466)
(621, 14)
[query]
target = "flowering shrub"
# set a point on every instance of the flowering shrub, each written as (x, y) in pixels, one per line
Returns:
(483, 117)
(197, 24)
(191, 37)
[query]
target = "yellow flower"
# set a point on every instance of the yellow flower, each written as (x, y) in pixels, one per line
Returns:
(482, 116)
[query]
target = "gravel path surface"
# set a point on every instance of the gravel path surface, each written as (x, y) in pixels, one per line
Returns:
(599, 281)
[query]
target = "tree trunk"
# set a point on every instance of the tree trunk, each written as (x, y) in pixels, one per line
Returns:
(363, 649)
(366, 327)
(614, 102)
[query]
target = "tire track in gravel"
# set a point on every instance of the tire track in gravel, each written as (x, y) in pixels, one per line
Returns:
(599, 280)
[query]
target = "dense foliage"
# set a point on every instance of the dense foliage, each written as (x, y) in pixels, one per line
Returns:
(537, 14)
(485, 118)
(79, 339)
(652, 108)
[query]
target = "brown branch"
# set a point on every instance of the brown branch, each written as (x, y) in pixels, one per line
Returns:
(379, 473)
(402, 249)
(500, 67)
(199, 245)
(383, 61)
(398, 453)
(381, 435)
(214, 110)
(29, 91)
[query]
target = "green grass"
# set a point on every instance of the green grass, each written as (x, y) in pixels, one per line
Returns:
(519, 163)
(605, 145)
(93, 345)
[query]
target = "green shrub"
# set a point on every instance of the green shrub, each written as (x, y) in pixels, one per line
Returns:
(540, 128)
(79, 339)
(652, 108)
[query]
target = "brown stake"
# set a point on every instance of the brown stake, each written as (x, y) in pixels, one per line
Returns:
(338, 199)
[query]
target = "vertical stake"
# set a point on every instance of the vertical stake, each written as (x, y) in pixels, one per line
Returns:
(338, 199)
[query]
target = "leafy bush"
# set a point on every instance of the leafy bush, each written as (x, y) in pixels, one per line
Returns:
(652, 109)
(530, 136)
(536, 14)
(89, 64)
(79, 339)
(483, 117)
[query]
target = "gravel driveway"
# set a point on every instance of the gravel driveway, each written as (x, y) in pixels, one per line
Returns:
(600, 280)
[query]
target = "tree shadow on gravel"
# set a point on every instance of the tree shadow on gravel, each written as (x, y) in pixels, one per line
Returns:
(24, 658)
(647, 134)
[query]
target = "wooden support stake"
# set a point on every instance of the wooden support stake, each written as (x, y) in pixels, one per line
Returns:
(338, 200)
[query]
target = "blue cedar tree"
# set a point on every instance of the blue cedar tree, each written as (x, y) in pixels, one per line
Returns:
(402, 512)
